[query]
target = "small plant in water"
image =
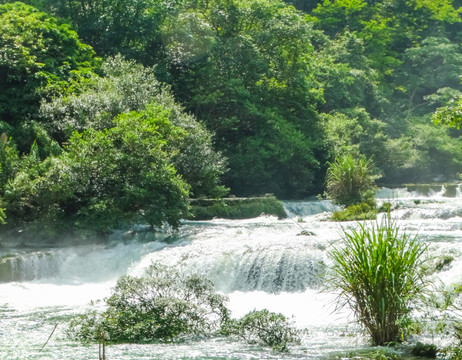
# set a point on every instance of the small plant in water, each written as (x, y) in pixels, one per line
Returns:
(362, 211)
(377, 271)
(165, 304)
(350, 180)
(161, 305)
(273, 329)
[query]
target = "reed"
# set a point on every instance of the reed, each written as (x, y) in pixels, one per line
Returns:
(378, 272)
(350, 180)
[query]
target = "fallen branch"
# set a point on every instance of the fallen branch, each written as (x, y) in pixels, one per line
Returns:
(49, 337)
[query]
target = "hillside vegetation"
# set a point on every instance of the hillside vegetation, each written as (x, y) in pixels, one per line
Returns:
(117, 111)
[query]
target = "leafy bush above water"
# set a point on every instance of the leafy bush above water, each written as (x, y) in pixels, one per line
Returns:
(272, 329)
(165, 304)
(161, 305)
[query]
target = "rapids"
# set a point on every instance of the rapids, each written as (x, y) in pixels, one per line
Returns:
(259, 263)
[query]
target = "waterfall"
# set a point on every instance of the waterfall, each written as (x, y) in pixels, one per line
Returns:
(28, 266)
(307, 208)
(268, 270)
(92, 263)
(259, 263)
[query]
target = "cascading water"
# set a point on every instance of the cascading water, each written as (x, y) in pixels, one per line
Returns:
(259, 263)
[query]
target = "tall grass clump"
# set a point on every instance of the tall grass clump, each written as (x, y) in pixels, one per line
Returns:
(378, 273)
(350, 180)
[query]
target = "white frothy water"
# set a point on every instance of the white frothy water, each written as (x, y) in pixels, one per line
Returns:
(259, 263)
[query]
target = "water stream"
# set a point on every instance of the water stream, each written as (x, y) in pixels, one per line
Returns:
(259, 263)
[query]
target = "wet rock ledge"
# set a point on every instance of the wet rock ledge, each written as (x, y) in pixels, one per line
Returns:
(236, 208)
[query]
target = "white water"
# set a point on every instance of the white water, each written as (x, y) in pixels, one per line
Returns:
(259, 263)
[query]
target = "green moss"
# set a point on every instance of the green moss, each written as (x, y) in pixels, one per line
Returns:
(450, 190)
(236, 208)
(357, 212)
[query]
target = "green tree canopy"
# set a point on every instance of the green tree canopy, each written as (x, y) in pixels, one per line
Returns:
(125, 86)
(105, 179)
(252, 85)
(37, 58)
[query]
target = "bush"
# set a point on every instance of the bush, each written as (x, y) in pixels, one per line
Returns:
(425, 350)
(451, 353)
(378, 274)
(350, 180)
(361, 211)
(162, 305)
(165, 304)
(273, 329)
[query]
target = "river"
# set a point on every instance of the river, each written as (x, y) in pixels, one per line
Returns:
(259, 263)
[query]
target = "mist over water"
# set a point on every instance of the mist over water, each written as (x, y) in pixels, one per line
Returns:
(259, 263)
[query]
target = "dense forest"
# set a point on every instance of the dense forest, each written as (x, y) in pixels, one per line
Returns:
(115, 111)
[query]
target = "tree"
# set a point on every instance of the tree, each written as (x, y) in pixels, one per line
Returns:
(125, 86)
(434, 64)
(450, 115)
(37, 58)
(104, 179)
(252, 84)
(352, 131)
(129, 27)
(344, 71)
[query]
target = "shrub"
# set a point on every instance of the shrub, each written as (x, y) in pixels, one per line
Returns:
(350, 180)
(361, 211)
(165, 304)
(273, 329)
(451, 353)
(378, 274)
(425, 350)
(161, 305)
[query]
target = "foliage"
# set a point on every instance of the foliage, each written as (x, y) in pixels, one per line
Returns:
(273, 329)
(377, 271)
(9, 160)
(129, 27)
(419, 78)
(350, 180)
(163, 304)
(451, 353)
(120, 87)
(237, 208)
(253, 87)
(425, 350)
(362, 211)
(37, 58)
(450, 115)
(434, 150)
(105, 178)
(354, 132)
(276, 91)
(126, 86)
(347, 79)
